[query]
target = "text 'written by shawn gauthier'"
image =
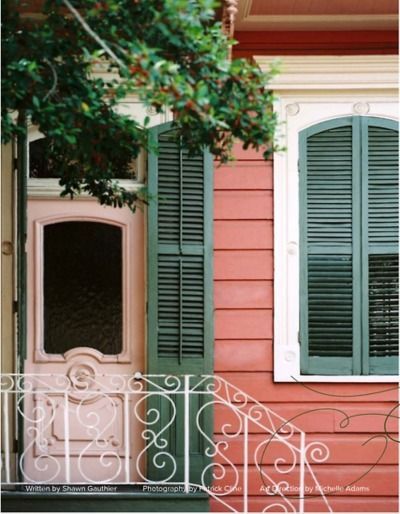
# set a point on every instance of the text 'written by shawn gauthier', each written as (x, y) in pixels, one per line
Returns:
(110, 488)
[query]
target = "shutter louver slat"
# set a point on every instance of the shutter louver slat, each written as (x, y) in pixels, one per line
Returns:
(193, 200)
(329, 194)
(168, 306)
(383, 186)
(193, 307)
(383, 305)
(330, 316)
(180, 222)
(168, 189)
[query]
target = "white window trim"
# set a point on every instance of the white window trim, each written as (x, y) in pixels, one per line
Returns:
(309, 90)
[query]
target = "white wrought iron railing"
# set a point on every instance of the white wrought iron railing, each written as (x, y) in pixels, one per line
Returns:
(158, 433)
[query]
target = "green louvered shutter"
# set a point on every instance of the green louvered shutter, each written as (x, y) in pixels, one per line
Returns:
(380, 160)
(180, 294)
(349, 247)
(326, 232)
(180, 259)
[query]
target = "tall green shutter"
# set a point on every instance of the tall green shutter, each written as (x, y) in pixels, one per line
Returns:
(327, 196)
(180, 301)
(180, 294)
(380, 160)
(348, 238)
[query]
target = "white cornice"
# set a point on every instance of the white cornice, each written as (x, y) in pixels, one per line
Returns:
(357, 21)
(319, 22)
(333, 72)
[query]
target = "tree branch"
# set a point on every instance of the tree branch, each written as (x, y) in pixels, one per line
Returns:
(55, 81)
(93, 34)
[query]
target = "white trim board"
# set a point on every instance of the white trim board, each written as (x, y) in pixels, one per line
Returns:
(333, 72)
(245, 20)
(298, 108)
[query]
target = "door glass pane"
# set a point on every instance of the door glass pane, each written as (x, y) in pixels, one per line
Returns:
(82, 287)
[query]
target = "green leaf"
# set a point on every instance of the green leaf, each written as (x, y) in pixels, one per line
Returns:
(70, 138)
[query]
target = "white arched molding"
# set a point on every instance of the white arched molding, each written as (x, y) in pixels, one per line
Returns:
(309, 90)
(131, 239)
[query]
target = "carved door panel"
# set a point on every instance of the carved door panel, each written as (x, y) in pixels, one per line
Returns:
(85, 276)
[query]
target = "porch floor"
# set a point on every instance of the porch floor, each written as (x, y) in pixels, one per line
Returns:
(22, 501)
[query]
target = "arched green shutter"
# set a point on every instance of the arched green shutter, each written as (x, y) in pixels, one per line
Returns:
(180, 293)
(348, 239)
(328, 281)
(380, 165)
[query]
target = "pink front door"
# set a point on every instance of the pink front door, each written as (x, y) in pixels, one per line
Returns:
(85, 307)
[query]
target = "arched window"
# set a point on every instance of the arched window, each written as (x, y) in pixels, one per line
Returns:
(349, 247)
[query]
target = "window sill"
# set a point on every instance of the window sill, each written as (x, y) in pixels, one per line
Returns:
(361, 379)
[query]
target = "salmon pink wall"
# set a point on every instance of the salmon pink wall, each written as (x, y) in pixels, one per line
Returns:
(244, 353)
